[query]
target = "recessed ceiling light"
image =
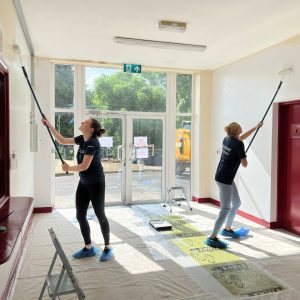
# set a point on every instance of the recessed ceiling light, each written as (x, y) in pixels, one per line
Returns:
(158, 44)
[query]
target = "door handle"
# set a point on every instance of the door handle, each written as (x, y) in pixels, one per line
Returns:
(120, 152)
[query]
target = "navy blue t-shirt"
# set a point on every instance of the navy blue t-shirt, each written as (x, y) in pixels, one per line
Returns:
(233, 150)
(90, 147)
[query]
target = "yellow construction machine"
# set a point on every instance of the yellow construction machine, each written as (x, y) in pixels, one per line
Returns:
(183, 147)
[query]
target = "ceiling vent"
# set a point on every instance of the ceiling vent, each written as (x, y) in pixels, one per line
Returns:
(172, 26)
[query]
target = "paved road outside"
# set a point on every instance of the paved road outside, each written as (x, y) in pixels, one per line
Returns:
(146, 185)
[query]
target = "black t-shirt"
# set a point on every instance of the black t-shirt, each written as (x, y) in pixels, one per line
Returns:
(233, 151)
(90, 147)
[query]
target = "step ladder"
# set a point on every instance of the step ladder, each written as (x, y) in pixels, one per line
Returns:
(65, 282)
(176, 194)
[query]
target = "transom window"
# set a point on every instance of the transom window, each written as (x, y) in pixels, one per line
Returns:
(114, 90)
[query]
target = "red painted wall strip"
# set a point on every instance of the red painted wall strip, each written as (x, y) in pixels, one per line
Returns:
(38, 210)
(240, 213)
(201, 200)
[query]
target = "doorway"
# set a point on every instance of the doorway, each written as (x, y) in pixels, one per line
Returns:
(132, 152)
(288, 210)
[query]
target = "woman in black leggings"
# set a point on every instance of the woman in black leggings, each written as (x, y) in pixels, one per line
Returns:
(91, 186)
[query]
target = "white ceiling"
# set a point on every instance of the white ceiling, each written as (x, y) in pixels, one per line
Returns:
(231, 29)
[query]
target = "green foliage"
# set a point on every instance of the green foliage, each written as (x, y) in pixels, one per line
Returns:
(66, 151)
(184, 93)
(181, 119)
(64, 123)
(129, 92)
(88, 98)
(64, 86)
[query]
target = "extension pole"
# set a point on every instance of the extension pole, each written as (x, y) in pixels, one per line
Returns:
(278, 88)
(42, 114)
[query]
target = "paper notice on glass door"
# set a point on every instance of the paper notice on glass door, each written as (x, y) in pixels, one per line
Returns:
(106, 141)
(142, 153)
(140, 141)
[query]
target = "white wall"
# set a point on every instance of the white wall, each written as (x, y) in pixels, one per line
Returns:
(44, 162)
(201, 134)
(241, 92)
(21, 179)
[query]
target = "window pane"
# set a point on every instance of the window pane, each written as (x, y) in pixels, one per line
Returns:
(112, 155)
(183, 153)
(64, 123)
(64, 86)
(113, 128)
(111, 89)
(184, 93)
(153, 130)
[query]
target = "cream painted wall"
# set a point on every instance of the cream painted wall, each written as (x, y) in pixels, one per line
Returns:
(241, 92)
(44, 163)
(21, 178)
(201, 134)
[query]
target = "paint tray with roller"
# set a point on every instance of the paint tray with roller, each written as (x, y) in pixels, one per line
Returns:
(160, 225)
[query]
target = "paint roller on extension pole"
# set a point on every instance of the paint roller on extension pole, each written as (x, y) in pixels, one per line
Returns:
(17, 50)
(283, 74)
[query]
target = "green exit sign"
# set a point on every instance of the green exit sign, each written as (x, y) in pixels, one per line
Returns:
(130, 68)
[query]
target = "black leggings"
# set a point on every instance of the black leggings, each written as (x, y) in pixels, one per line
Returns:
(94, 192)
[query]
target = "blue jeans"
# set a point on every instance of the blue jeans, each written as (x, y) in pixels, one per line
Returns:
(229, 202)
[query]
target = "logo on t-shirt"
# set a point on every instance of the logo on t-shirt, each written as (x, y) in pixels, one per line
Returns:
(226, 150)
(85, 150)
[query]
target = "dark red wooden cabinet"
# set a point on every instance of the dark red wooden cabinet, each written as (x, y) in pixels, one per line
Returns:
(15, 212)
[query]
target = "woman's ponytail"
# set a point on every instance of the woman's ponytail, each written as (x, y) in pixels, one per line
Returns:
(98, 131)
(232, 129)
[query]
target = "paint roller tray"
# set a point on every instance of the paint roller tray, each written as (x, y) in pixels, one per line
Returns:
(160, 225)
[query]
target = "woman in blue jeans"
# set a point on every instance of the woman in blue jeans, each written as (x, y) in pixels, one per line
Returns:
(233, 154)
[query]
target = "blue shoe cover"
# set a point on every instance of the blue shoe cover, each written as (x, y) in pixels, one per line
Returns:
(215, 243)
(242, 231)
(107, 254)
(86, 252)
(229, 233)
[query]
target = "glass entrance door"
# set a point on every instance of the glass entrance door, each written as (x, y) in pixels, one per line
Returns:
(132, 158)
(145, 167)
